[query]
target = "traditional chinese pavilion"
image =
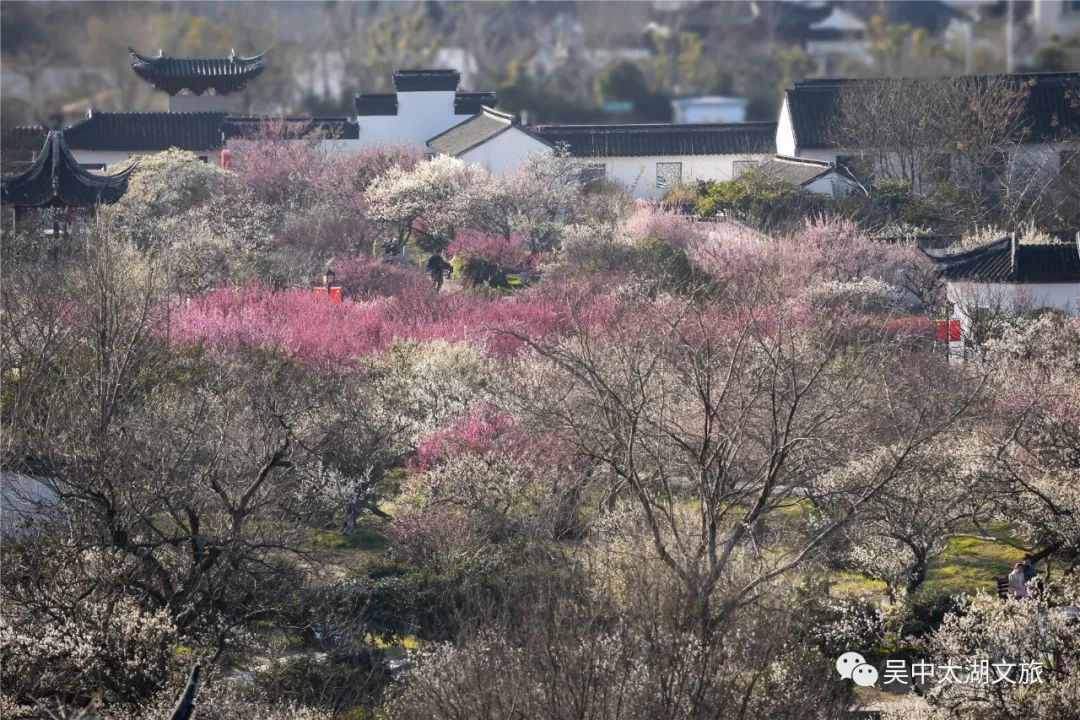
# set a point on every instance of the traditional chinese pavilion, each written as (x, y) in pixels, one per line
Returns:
(197, 84)
(57, 180)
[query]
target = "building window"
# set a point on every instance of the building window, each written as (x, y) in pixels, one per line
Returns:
(738, 167)
(204, 158)
(668, 174)
(592, 172)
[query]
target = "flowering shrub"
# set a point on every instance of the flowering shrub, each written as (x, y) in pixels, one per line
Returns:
(306, 326)
(649, 221)
(433, 538)
(486, 259)
(476, 431)
(1037, 629)
(111, 646)
(275, 166)
(168, 183)
(866, 294)
(428, 191)
(364, 277)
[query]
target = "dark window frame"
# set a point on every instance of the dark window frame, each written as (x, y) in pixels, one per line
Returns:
(663, 180)
(738, 167)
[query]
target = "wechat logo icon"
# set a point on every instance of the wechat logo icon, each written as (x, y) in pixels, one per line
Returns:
(853, 666)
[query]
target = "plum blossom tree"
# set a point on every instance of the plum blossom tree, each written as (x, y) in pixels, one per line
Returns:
(183, 469)
(1026, 454)
(909, 522)
(650, 221)
(733, 412)
(423, 201)
(1037, 631)
(534, 203)
(486, 259)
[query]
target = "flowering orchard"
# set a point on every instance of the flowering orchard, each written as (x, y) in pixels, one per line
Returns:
(625, 463)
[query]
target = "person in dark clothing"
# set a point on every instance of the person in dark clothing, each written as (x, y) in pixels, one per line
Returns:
(1029, 569)
(437, 268)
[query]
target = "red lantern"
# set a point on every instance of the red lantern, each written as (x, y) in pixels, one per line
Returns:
(335, 293)
(947, 330)
(226, 158)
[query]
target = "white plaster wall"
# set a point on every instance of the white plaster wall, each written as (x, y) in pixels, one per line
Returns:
(337, 146)
(113, 157)
(638, 174)
(505, 152)
(833, 184)
(1007, 297)
(421, 116)
(785, 132)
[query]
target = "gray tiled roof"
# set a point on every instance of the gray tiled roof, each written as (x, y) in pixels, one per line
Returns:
(995, 262)
(329, 128)
(469, 103)
(370, 104)
(56, 180)
(466, 135)
(796, 172)
(663, 139)
(147, 131)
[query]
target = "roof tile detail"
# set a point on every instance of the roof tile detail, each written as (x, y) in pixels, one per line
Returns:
(663, 139)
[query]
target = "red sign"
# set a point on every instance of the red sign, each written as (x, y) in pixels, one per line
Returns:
(947, 330)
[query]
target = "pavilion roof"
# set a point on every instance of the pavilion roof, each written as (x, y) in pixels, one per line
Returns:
(56, 180)
(198, 75)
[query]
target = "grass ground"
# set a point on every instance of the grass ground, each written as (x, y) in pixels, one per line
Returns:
(968, 565)
(346, 553)
(971, 564)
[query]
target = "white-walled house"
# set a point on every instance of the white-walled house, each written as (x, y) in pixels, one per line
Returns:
(809, 124)
(425, 103)
(837, 39)
(104, 139)
(429, 112)
(648, 160)
(1007, 276)
(492, 140)
(817, 176)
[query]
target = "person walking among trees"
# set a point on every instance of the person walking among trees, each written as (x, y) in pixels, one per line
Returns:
(1017, 583)
(437, 268)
